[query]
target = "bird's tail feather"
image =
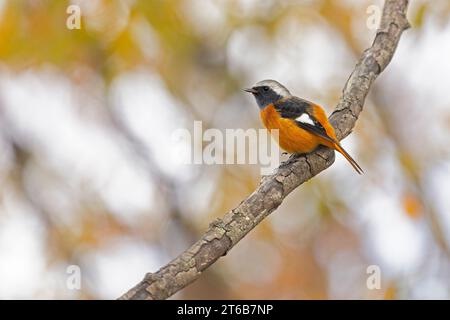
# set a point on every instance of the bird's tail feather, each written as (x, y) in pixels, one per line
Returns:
(354, 164)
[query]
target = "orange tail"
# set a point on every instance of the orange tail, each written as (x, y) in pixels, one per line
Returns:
(354, 164)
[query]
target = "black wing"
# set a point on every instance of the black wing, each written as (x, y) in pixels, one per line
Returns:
(301, 111)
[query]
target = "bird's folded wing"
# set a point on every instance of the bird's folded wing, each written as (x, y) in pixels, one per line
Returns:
(301, 112)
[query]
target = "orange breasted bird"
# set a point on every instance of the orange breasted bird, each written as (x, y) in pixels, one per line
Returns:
(302, 125)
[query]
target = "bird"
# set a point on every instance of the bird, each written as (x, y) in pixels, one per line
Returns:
(302, 125)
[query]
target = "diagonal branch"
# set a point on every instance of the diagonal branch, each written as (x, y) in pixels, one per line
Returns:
(224, 233)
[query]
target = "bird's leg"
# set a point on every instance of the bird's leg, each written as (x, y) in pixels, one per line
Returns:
(286, 161)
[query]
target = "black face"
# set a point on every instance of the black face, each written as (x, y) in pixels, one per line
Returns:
(264, 95)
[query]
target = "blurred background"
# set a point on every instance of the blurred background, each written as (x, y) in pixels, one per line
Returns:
(89, 175)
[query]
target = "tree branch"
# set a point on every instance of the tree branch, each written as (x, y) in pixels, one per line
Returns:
(224, 233)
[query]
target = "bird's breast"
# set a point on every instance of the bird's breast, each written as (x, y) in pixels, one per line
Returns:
(291, 137)
(270, 117)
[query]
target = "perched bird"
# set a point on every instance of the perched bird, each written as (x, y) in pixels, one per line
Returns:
(302, 125)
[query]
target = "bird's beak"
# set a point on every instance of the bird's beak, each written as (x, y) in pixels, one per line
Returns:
(250, 90)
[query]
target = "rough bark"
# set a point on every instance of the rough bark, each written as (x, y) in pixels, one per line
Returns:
(224, 233)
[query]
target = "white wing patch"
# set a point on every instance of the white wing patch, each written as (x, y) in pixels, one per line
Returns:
(305, 118)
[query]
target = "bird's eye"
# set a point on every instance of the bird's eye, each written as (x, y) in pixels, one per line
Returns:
(265, 88)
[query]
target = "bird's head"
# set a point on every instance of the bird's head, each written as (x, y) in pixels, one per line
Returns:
(267, 92)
